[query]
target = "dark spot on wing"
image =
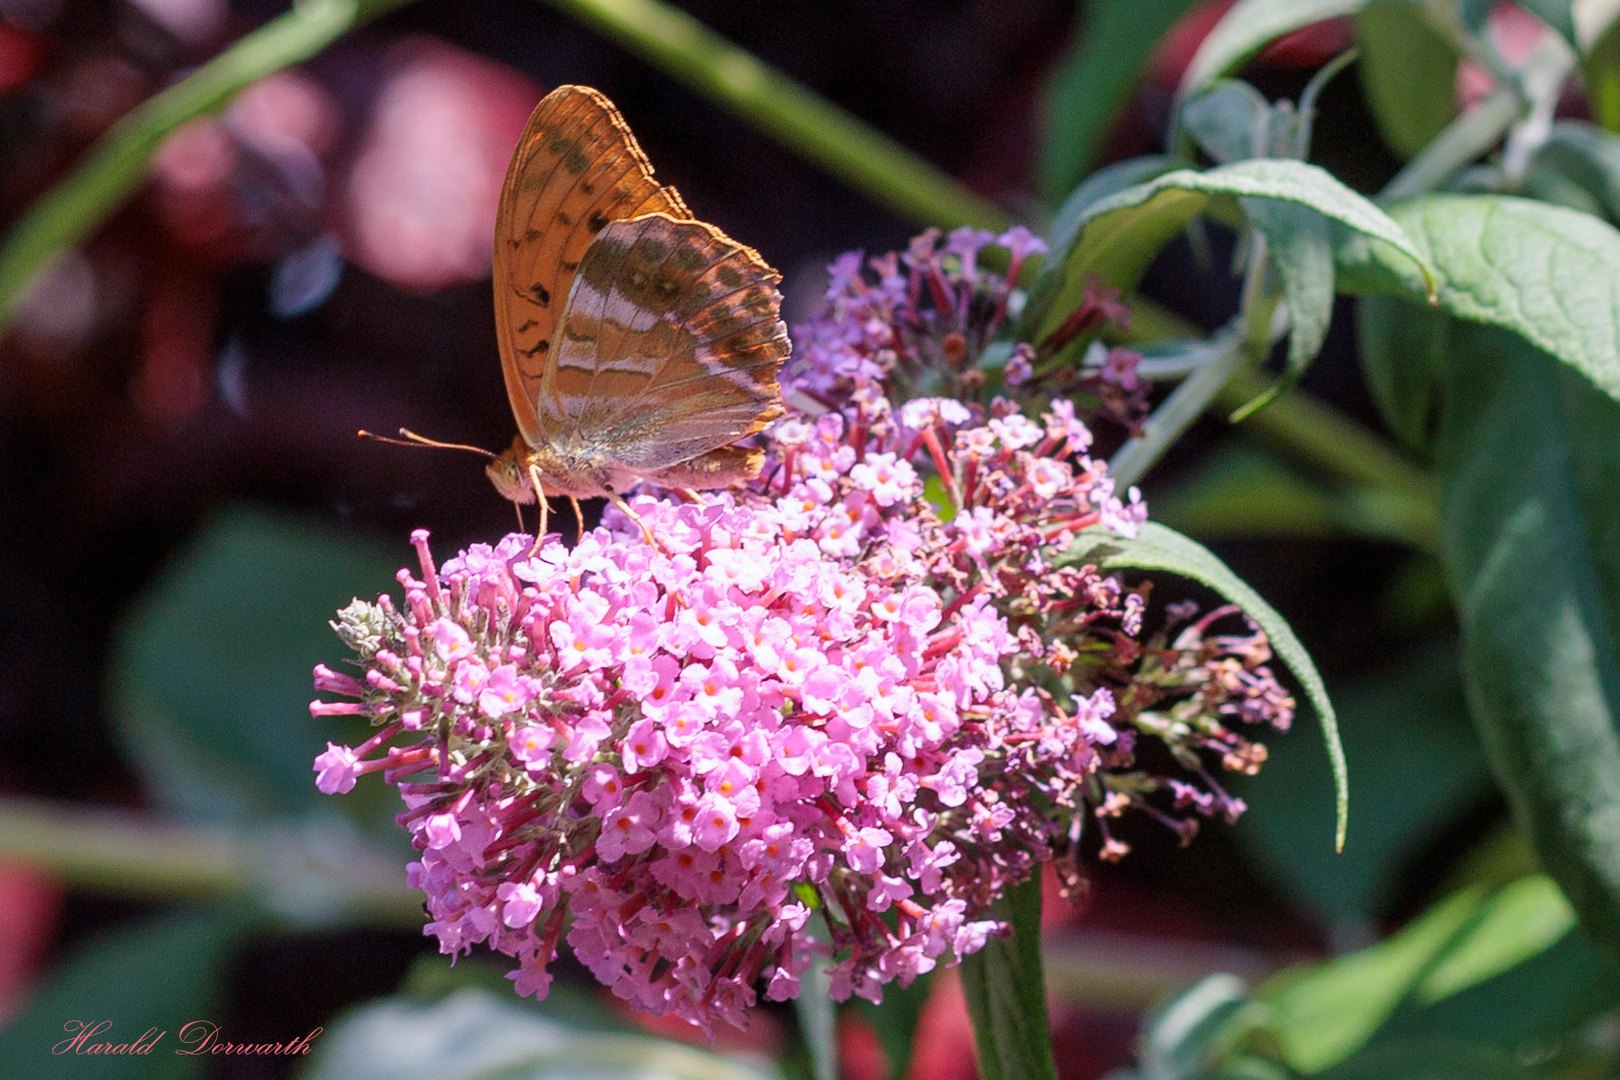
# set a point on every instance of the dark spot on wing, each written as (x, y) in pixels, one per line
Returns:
(541, 294)
(597, 221)
(540, 348)
(564, 218)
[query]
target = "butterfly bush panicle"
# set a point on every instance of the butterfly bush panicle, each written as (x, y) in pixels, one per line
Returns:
(873, 689)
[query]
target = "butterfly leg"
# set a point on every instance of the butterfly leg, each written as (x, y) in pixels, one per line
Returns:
(579, 519)
(646, 533)
(539, 497)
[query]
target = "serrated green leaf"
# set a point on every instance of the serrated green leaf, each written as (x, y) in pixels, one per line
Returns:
(155, 975)
(1230, 120)
(1530, 457)
(1159, 548)
(1247, 28)
(1408, 72)
(1112, 43)
(1118, 236)
(1006, 993)
(1301, 248)
(1544, 272)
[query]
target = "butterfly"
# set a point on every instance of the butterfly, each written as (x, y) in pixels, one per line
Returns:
(637, 342)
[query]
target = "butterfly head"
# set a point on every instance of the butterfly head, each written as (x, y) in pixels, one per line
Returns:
(510, 473)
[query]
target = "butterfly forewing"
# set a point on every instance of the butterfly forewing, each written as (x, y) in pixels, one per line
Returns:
(576, 170)
(669, 346)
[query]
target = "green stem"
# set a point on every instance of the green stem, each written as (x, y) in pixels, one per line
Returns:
(122, 854)
(1463, 140)
(1322, 436)
(76, 207)
(1308, 429)
(1177, 413)
(788, 112)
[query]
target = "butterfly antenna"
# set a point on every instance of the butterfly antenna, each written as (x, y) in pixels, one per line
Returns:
(413, 439)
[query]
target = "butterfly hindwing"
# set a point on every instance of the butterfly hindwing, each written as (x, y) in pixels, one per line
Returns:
(577, 169)
(669, 345)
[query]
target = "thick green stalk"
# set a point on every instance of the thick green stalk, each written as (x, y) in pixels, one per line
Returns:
(788, 112)
(76, 207)
(302, 873)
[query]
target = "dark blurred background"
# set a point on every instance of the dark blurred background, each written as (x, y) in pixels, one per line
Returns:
(315, 260)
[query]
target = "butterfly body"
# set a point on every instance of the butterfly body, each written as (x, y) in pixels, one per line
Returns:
(637, 343)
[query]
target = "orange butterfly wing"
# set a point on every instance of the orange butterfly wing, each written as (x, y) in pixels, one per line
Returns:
(669, 348)
(577, 169)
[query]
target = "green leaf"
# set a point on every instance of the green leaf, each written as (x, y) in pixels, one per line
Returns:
(1102, 184)
(1107, 181)
(1550, 996)
(1230, 120)
(1419, 769)
(1301, 248)
(211, 668)
(1112, 43)
(1403, 354)
(1325, 1012)
(1530, 456)
(1588, 156)
(1118, 236)
(154, 975)
(1247, 28)
(1158, 548)
(1431, 1059)
(1543, 272)
(1006, 993)
(1408, 73)
(1520, 920)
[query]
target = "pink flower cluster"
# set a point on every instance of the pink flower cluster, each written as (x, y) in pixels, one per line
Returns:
(838, 711)
(929, 324)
